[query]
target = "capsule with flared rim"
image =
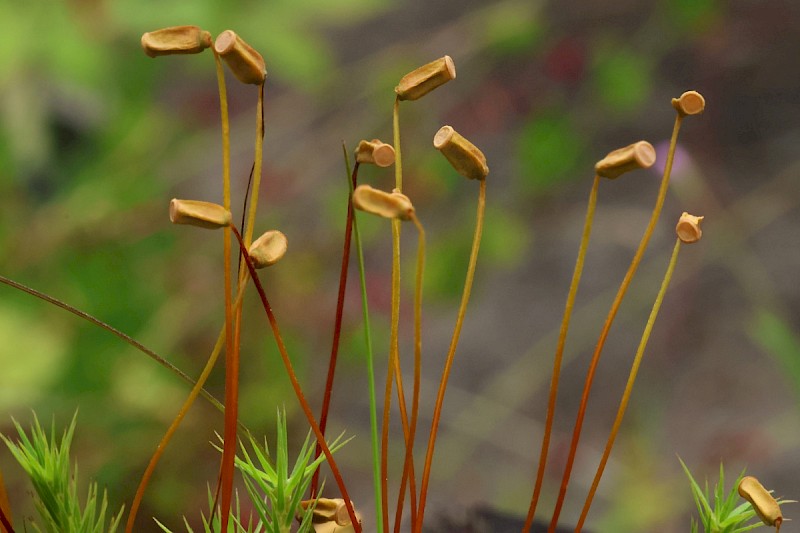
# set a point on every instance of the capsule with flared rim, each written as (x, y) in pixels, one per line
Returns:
(176, 40)
(375, 152)
(426, 78)
(198, 213)
(381, 203)
(637, 155)
(268, 249)
(245, 63)
(688, 228)
(464, 156)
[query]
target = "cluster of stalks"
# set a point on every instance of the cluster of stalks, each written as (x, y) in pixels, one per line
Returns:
(248, 67)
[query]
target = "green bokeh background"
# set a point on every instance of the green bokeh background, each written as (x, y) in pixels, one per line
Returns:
(95, 138)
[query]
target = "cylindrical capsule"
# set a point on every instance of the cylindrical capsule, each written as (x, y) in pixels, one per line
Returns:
(245, 63)
(465, 157)
(384, 204)
(426, 78)
(329, 515)
(375, 152)
(765, 506)
(175, 40)
(637, 155)
(198, 213)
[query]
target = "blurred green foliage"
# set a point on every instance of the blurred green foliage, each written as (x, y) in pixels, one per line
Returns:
(549, 148)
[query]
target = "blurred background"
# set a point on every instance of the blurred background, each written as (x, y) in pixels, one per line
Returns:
(95, 138)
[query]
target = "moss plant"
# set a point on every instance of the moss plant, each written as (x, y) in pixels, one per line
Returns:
(724, 513)
(46, 460)
(274, 490)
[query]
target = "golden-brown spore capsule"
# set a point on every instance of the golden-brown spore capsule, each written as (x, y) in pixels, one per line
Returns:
(198, 213)
(268, 249)
(329, 515)
(688, 228)
(637, 155)
(465, 157)
(689, 103)
(245, 63)
(375, 152)
(175, 40)
(383, 204)
(765, 506)
(426, 78)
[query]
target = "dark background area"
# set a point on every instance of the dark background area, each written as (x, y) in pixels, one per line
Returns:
(95, 138)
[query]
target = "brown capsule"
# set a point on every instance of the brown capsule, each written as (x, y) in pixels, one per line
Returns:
(198, 213)
(245, 63)
(637, 155)
(689, 103)
(384, 204)
(688, 228)
(465, 157)
(175, 40)
(375, 152)
(268, 249)
(329, 515)
(765, 506)
(426, 78)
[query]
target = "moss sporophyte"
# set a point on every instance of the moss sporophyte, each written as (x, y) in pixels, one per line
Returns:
(282, 496)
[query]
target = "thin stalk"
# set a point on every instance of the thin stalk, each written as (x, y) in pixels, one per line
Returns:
(296, 384)
(393, 369)
(226, 132)
(408, 466)
(437, 412)
(623, 404)
(114, 331)
(637, 258)
(165, 440)
(394, 347)
(395, 319)
(257, 164)
(162, 446)
(398, 159)
(373, 411)
(232, 358)
(231, 355)
(337, 324)
(562, 337)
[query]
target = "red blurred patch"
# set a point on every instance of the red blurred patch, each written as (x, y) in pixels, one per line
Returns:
(566, 61)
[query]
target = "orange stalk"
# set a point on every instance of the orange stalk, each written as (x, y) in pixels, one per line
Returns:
(337, 325)
(623, 404)
(437, 412)
(295, 383)
(637, 258)
(562, 337)
(408, 465)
